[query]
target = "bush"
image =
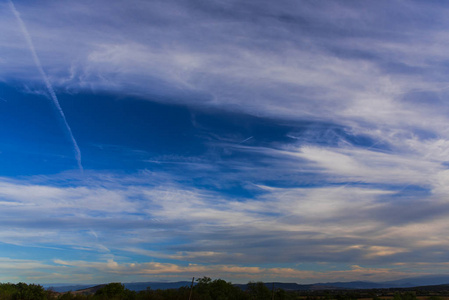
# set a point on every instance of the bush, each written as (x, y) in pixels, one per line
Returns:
(113, 291)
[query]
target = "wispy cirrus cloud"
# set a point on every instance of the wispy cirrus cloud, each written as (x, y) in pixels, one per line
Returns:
(224, 137)
(328, 71)
(96, 272)
(174, 271)
(202, 227)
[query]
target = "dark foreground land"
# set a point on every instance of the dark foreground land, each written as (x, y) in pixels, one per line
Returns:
(207, 289)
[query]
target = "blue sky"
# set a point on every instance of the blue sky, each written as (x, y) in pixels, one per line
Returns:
(298, 141)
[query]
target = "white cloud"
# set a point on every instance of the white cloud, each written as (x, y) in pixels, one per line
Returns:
(231, 271)
(364, 165)
(334, 218)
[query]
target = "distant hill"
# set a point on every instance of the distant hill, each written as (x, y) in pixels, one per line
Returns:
(282, 285)
(141, 286)
(440, 281)
(89, 291)
(440, 287)
(133, 286)
(420, 281)
(360, 285)
(62, 288)
(427, 280)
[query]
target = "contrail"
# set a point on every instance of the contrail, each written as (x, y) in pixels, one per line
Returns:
(246, 140)
(50, 89)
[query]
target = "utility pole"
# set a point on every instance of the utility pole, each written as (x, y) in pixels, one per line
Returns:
(272, 291)
(191, 289)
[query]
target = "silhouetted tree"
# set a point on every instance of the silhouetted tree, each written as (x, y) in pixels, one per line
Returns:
(114, 291)
(259, 291)
(29, 292)
(218, 289)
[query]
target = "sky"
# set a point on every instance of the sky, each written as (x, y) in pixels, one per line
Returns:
(295, 141)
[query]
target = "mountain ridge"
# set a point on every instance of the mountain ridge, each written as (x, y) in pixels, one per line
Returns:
(427, 280)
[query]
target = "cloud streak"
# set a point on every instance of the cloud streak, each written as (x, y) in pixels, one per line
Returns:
(190, 226)
(48, 84)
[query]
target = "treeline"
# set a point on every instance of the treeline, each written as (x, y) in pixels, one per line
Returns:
(23, 291)
(206, 289)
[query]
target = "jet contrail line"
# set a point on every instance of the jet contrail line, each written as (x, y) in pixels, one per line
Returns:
(247, 139)
(50, 89)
